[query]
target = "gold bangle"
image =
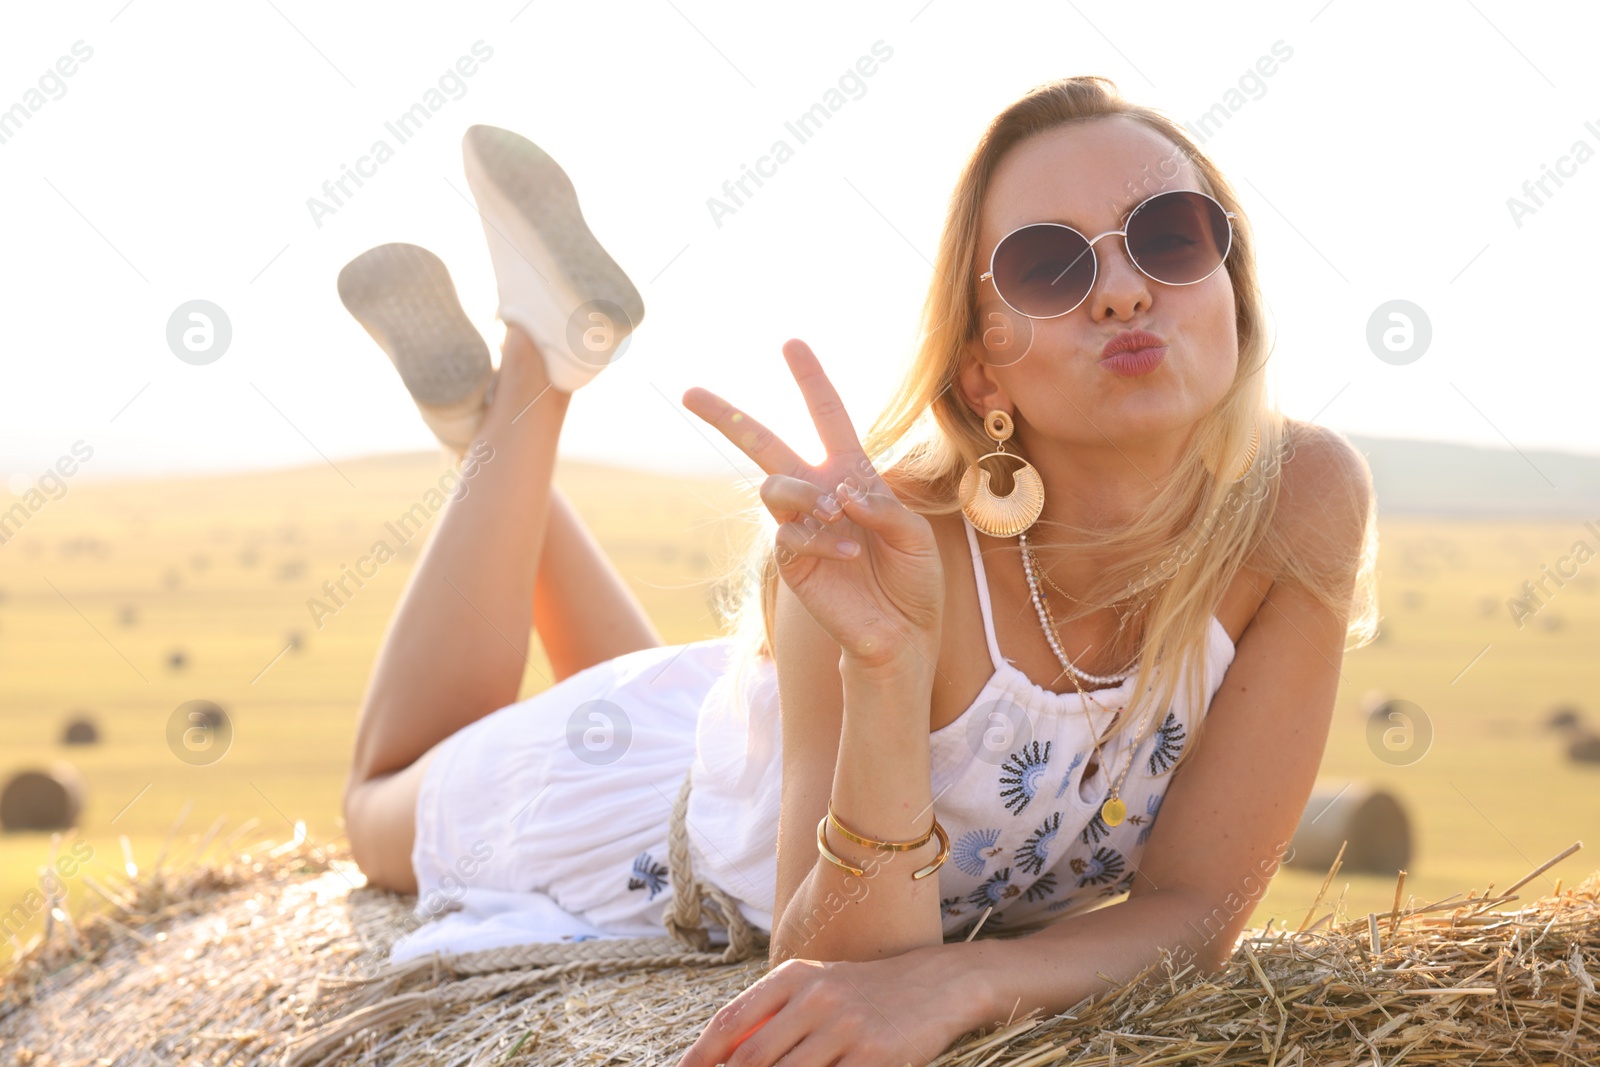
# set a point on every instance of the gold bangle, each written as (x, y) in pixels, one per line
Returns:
(894, 846)
(938, 861)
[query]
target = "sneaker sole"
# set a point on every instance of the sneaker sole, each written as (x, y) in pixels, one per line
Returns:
(402, 295)
(528, 192)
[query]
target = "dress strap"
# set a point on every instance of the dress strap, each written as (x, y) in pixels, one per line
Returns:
(983, 595)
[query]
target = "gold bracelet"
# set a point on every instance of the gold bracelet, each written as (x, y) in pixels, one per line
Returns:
(894, 846)
(827, 854)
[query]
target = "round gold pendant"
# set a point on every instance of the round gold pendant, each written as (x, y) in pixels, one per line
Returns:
(1113, 810)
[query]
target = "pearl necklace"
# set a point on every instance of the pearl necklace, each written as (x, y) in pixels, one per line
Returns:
(1049, 631)
(1113, 810)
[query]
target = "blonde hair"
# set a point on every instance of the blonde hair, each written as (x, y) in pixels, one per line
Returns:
(1178, 555)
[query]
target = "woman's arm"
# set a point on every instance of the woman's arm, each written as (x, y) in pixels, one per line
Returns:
(860, 734)
(1231, 810)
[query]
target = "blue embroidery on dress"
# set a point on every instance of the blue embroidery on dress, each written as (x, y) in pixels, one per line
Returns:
(647, 872)
(1067, 777)
(1124, 884)
(951, 906)
(1035, 851)
(1060, 904)
(972, 852)
(1041, 888)
(1024, 768)
(1152, 804)
(1170, 736)
(1104, 866)
(997, 890)
(1097, 828)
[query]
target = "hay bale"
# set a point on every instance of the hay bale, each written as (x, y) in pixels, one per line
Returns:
(42, 799)
(128, 615)
(1370, 819)
(239, 959)
(1564, 717)
(1584, 748)
(81, 730)
(177, 659)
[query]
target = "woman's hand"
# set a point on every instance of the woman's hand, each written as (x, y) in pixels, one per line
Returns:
(880, 601)
(905, 1009)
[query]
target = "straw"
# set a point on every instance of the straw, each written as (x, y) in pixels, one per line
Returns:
(238, 957)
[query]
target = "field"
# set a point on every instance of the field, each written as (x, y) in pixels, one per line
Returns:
(123, 601)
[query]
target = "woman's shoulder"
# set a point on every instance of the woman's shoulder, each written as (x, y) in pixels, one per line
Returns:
(1326, 487)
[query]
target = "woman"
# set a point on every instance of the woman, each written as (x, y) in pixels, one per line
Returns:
(989, 686)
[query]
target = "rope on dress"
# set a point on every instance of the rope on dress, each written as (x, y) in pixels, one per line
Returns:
(487, 973)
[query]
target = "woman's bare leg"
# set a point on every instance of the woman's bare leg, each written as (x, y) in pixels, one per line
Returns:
(457, 645)
(584, 611)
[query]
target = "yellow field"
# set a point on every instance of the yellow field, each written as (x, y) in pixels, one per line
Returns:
(102, 586)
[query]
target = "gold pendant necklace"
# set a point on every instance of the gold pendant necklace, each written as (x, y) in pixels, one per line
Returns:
(1114, 809)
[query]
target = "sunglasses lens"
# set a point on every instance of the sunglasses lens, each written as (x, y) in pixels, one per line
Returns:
(1179, 237)
(1043, 270)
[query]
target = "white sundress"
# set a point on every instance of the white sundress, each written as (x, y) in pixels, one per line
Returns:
(547, 820)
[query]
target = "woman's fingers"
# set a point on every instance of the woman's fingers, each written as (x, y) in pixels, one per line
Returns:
(786, 497)
(828, 413)
(747, 434)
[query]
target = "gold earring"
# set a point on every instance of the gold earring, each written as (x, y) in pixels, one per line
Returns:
(1001, 516)
(1250, 456)
(1249, 453)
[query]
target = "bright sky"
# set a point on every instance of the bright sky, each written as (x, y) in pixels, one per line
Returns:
(175, 161)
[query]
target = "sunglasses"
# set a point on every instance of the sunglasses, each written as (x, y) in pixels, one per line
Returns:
(1045, 269)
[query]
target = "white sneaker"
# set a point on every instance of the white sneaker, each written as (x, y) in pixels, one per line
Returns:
(403, 296)
(556, 282)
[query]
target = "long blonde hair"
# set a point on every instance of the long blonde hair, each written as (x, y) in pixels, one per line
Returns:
(1179, 554)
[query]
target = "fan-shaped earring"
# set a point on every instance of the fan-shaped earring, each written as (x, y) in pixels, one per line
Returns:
(1249, 453)
(1001, 516)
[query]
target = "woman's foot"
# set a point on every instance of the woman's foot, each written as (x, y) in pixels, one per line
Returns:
(556, 282)
(404, 298)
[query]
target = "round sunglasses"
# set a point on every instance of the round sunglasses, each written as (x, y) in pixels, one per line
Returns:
(1045, 269)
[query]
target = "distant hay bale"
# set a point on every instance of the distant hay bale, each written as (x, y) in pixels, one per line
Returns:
(1371, 820)
(177, 659)
(42, 799)
(1564, 717)
(128, 615)
(81, 730)
(1585, 748)
(244, 959)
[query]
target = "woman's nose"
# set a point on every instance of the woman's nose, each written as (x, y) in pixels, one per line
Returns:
(1120, 288)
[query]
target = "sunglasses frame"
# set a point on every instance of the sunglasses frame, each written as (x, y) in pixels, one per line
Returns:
(1094, 257)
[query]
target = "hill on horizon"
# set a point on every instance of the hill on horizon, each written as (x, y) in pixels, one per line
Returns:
(1412, 477)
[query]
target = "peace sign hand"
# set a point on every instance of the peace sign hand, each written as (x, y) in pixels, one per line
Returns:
(865, 566)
